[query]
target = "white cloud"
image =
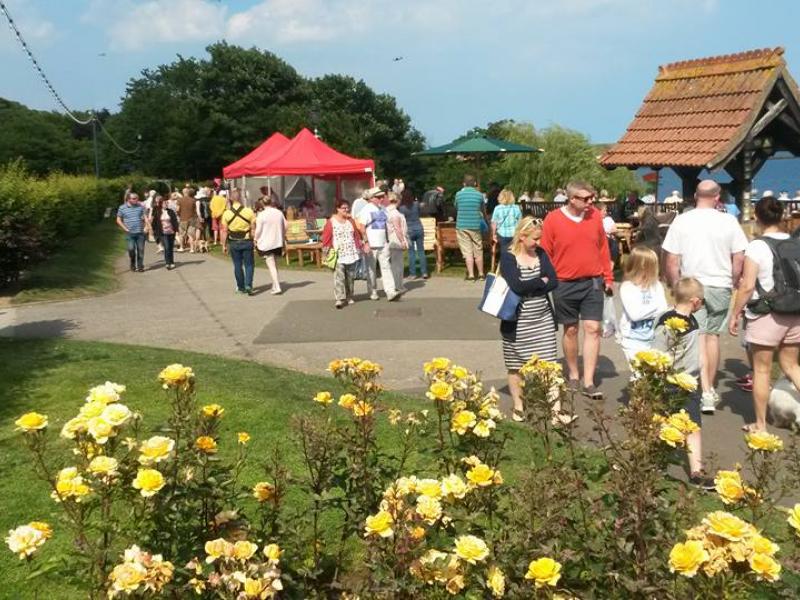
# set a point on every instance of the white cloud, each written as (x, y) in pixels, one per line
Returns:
(35, 29)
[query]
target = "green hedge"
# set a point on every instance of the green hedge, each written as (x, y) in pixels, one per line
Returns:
(37, 215)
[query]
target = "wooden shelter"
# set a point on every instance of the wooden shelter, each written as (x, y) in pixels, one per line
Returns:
(729, 112)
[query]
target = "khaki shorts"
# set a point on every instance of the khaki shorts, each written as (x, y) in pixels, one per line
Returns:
(713, 316)
(470, 242)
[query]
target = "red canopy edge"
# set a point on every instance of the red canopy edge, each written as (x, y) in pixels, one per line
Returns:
(252, 163)
(307, 155)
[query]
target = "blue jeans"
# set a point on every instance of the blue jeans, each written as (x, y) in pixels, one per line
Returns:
(168, 240)
(416, 252)
(136, 249)
(243, 263)
(503, 243)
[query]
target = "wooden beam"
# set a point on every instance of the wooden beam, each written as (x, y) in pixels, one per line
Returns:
(787, 93)
(772, 112)
(787, 120)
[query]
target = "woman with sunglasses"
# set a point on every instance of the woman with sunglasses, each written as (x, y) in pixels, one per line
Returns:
(341, 234)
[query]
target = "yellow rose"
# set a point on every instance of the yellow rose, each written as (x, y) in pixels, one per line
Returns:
(729, 486)
(471, 549)
(765, 567)
(481, 475)
(273, 553)
(243, 437)
(127, 577)
(103, 465)
(437, 364)
(766, 442)
(440, 390)
(100, 429)
(31, 421)
(213, 411)
(70, 485)
(73, 427)
(254, 588)
(653, 360)
(430, 509)
(347, 401)
(429, 487)
(92, 409)
(335, 366)
(763, 545)
(794, 518)
(459, 372)
(677, 324)
(687, 558)
(25, 540)
(496, 581)
(148, 482)
(727, 526)
(362, 408)
(243, 550)
(406, 485)
(263, 491)
(155, 449)
(462, 421)
(672, 436)
(483, 429)
(454, 487)
(683, 422)
(544, 571)
(206, 444)
(43, 528)
(368, 368)
(380, 524)
(684, 381)
(218, 548)
(176, 376)
(117, 414)
(324, 398)
(455, 584)
(107, 393)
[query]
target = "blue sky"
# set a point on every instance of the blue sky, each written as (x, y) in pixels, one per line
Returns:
(584, 64)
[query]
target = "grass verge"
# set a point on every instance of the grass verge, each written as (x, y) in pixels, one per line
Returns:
(83, 267)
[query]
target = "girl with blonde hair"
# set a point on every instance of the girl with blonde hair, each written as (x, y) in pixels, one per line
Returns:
(530, 274)
(643, 300)
(505, 217)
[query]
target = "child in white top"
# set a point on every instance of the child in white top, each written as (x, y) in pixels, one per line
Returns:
(643, 300)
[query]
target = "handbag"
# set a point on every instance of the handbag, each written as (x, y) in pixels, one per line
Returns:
(498, 299)
(331, 258)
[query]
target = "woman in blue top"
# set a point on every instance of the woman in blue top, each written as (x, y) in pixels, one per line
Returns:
(505, 217)
(409, 207)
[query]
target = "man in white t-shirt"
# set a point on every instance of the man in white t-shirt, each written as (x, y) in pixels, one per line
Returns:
(708, 245)
(371, 222)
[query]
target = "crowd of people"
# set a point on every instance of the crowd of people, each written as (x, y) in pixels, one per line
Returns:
(561, 267)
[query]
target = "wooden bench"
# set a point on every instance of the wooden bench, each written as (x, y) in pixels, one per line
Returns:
(446, 239)
(297, 242)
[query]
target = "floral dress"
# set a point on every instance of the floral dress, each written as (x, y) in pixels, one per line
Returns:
(344, 242)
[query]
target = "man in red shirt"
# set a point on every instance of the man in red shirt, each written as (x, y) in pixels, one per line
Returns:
(575, 241)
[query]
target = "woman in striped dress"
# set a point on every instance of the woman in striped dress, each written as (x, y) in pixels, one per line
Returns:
(530, 274)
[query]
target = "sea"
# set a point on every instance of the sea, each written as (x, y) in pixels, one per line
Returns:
(781, 173)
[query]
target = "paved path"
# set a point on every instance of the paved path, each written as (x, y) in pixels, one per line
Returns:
(194, 308)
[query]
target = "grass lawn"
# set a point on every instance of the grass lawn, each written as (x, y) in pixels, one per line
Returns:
(52, 376)
(83, 267)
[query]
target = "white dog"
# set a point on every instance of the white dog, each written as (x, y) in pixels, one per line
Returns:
(784, 407)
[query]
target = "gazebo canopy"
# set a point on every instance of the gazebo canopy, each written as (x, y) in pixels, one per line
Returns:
(252, 163)
(477, 145)
(307, 155)
(730, 112)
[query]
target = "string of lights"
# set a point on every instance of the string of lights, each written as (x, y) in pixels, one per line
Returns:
(93, 118)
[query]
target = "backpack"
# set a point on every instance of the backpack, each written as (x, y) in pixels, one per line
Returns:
(784, 298)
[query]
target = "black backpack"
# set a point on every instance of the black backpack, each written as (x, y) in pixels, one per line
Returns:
(784, 298)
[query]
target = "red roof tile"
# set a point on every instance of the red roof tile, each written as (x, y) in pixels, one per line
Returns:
(698, 111)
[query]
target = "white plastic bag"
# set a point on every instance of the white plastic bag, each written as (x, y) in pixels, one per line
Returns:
(609, 325)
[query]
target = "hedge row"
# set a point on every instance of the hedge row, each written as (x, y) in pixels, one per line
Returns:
(37, 215)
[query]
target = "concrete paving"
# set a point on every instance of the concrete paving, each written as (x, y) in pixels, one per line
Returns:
(194, 307)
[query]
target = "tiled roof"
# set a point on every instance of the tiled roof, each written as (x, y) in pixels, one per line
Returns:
(698, 111)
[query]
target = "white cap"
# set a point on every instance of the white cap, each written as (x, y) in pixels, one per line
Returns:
(767, 194)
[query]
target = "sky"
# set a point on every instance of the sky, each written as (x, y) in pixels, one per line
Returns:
(583, 64)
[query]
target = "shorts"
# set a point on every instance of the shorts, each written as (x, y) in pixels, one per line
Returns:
(713, 315)
(277, 252)
(579, 300)
(773, 330)
(215, 223)
(183, 228)
(470, 242)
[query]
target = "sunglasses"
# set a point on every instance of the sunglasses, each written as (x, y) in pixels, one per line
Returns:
(584, 198)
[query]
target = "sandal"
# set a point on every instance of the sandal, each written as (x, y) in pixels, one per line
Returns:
(517, 415)
(750, 428)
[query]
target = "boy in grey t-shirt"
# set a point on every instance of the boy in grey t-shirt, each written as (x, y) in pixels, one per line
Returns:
(688, 293)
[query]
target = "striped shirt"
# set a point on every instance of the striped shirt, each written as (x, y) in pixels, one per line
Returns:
(132, 216)
(469, 204)
(506, 216)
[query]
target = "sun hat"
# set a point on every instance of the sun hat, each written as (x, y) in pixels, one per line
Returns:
(375, 192)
